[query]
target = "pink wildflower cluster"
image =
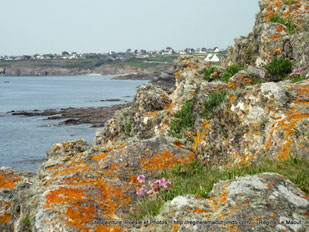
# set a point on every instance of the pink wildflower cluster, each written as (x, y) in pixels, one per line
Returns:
(154, 186)
(296, 72)
(236, 150)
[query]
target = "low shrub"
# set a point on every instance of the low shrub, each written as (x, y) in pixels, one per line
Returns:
(212, 73)
(209, 71)
(182, 120)
(214, 100)
(279, 68)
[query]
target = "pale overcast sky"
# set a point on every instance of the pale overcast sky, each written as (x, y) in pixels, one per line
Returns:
(53, 26)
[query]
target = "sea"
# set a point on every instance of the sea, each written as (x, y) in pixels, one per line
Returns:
(25, 140)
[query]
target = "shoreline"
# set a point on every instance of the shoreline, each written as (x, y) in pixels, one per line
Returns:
(96, 116)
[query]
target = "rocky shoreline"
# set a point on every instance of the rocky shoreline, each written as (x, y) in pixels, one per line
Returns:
(221, 125)
(97, 116)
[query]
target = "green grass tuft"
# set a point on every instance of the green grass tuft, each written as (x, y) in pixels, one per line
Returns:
(182, 120)
(127, 128)
(26, 220)
(288, 23)
(214, 100)
(279, 68)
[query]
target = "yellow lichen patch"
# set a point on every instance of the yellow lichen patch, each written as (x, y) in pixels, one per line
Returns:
(5, 217)
(200, 136)
(72, 170)
(198, 210)
(151, 114)
(285, 154)
(175, 228)
(81, 204)
(8, 180)
(232, 98)
(103, 228)
(100, 157)
(163, 161)
(169, 106)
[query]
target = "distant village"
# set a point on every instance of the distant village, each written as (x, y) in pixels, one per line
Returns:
(211, 54)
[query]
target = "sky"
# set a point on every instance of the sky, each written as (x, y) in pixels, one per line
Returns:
(53, 26)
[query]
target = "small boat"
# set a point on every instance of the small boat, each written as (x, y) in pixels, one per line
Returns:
(6, 82)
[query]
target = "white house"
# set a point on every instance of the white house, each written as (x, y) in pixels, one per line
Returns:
(212, 58)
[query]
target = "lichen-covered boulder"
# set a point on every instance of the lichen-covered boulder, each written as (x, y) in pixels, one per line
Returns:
(77, 193)
(268, 120)
(137, 121)
(263, 202)
(12, 209)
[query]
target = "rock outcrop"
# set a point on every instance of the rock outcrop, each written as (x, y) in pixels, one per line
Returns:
(92, 187)
(281, 30)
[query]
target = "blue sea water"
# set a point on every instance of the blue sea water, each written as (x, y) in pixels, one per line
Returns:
(25, 140)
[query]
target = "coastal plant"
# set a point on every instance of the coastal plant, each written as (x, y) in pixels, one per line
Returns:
(288, 23)
(150, 200)
(214, 100)
(230, 71)
(26, 220)
(210, 73)
(183, 181)
(296, 76)
(127, 128)
(279, 68)
(182, 120)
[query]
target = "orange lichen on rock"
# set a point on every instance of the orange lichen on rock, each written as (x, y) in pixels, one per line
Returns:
(151, 114)
(100, 157)
(8, 180)
(163, 161)
(285, 154)
(175, 228)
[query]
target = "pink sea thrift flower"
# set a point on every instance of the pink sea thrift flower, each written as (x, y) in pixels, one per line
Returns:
(140, 192)
(243, 141)
(300, 69)
(150, 192)
(157, 182)
(151, 183)
(141, 178)
(232, 140)
(235, 150)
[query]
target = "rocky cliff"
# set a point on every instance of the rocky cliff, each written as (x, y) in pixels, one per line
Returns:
(217, 119)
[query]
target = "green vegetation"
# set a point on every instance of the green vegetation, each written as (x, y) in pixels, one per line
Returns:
(297, 78)
(212, 73)
(127, 128)
(214, 100)
(288, 23)
(91, 63)
(208, 71)
(279, 68)
(196, 179)
(182, 120)
(26, 220)
(256, 81)
(231, 71)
